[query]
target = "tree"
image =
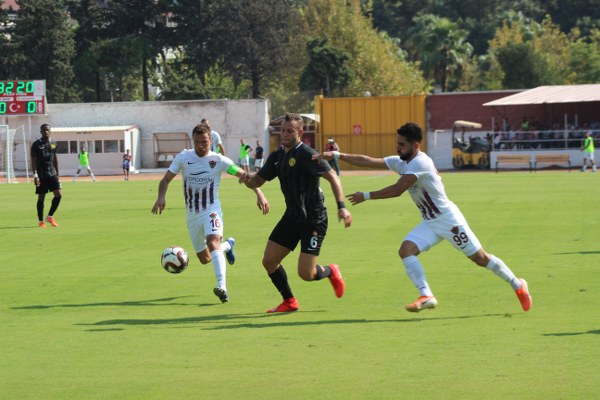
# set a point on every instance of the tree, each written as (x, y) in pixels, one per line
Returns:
(379, 64)
(42, 47)
(253, 39)
(90, 64)
(441, 47)
(139, 33)
(327, 68)
(193, 20)
(4, 45)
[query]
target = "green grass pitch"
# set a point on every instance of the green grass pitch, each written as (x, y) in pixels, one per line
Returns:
(87, 312)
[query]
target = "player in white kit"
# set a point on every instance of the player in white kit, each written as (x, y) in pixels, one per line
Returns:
(441, 218)
(201, 175)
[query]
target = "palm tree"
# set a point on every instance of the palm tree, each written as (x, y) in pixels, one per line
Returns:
(440, 46)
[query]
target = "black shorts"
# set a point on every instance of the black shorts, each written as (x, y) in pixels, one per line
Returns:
(48, 184)
(288, 233)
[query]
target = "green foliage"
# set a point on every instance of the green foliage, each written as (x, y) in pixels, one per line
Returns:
(327, 68)
(88, 313)
(42, 47)
(376, 61)
(441, 46)
(254, 38)
(178, 82)
(584, 59)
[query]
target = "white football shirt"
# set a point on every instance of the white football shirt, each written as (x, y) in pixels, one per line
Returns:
(201, 178)
(428, 192)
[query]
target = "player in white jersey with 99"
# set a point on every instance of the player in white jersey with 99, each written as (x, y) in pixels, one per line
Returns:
(201, 174)
(441, 218)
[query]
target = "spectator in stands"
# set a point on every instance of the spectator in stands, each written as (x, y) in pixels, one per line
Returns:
(217, 143)
(588, 151)
(525, 124)
(442, 220)
(44, 165)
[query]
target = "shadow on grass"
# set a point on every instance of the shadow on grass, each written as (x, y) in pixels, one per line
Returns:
(590, 332)
(152, 302)
(279, 318)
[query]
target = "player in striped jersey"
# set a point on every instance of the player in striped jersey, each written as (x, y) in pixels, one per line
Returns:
(201, 171)
(441, 218)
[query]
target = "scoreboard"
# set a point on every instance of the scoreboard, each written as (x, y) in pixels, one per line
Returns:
(23, 97)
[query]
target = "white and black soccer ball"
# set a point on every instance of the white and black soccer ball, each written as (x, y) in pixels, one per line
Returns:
(174, 259)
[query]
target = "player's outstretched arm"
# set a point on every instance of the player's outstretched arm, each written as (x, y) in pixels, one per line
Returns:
(360, 160)
(338, 193)
(163, 186)
(394, 190)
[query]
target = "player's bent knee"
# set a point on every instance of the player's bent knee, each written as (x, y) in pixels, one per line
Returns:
(408, 249)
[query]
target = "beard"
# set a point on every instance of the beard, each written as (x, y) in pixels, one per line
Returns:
(406, 156)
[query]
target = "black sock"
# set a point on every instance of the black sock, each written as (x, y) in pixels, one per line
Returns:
(322, 272)
(40, 209)
(55, 203)
(280, 280)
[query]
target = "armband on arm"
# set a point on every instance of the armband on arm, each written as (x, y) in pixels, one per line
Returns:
(233, 170)
(367, 195)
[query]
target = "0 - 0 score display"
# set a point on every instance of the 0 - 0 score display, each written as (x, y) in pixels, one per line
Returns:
(22, 97)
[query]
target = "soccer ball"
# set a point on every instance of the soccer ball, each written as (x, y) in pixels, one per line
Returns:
(174, 259)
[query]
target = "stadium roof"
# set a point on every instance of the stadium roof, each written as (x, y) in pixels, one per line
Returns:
(93, 128)
(7, 4)
(551, 95)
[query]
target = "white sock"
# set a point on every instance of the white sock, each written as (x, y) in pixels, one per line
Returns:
(225, 246)
(415, 272)
(220, 268)
(498, 267)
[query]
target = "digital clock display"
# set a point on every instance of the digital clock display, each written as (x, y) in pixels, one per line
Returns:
(23, 97)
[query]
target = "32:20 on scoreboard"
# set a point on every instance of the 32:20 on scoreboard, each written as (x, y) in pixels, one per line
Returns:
(23, 97)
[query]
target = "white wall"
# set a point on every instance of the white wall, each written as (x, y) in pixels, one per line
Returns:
(233, 119)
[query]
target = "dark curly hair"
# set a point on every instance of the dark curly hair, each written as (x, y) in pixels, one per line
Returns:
(412, 132)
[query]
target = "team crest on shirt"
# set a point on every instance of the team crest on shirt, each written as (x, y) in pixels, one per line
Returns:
(213, 215)
(292, 162)
(454, 230)
(53, 146)
(212, 164)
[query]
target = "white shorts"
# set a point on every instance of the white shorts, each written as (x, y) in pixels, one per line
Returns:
(589, 155)
(84, 167)
(258, 163)
(245, 161)
(426, 235)
(202, 225)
